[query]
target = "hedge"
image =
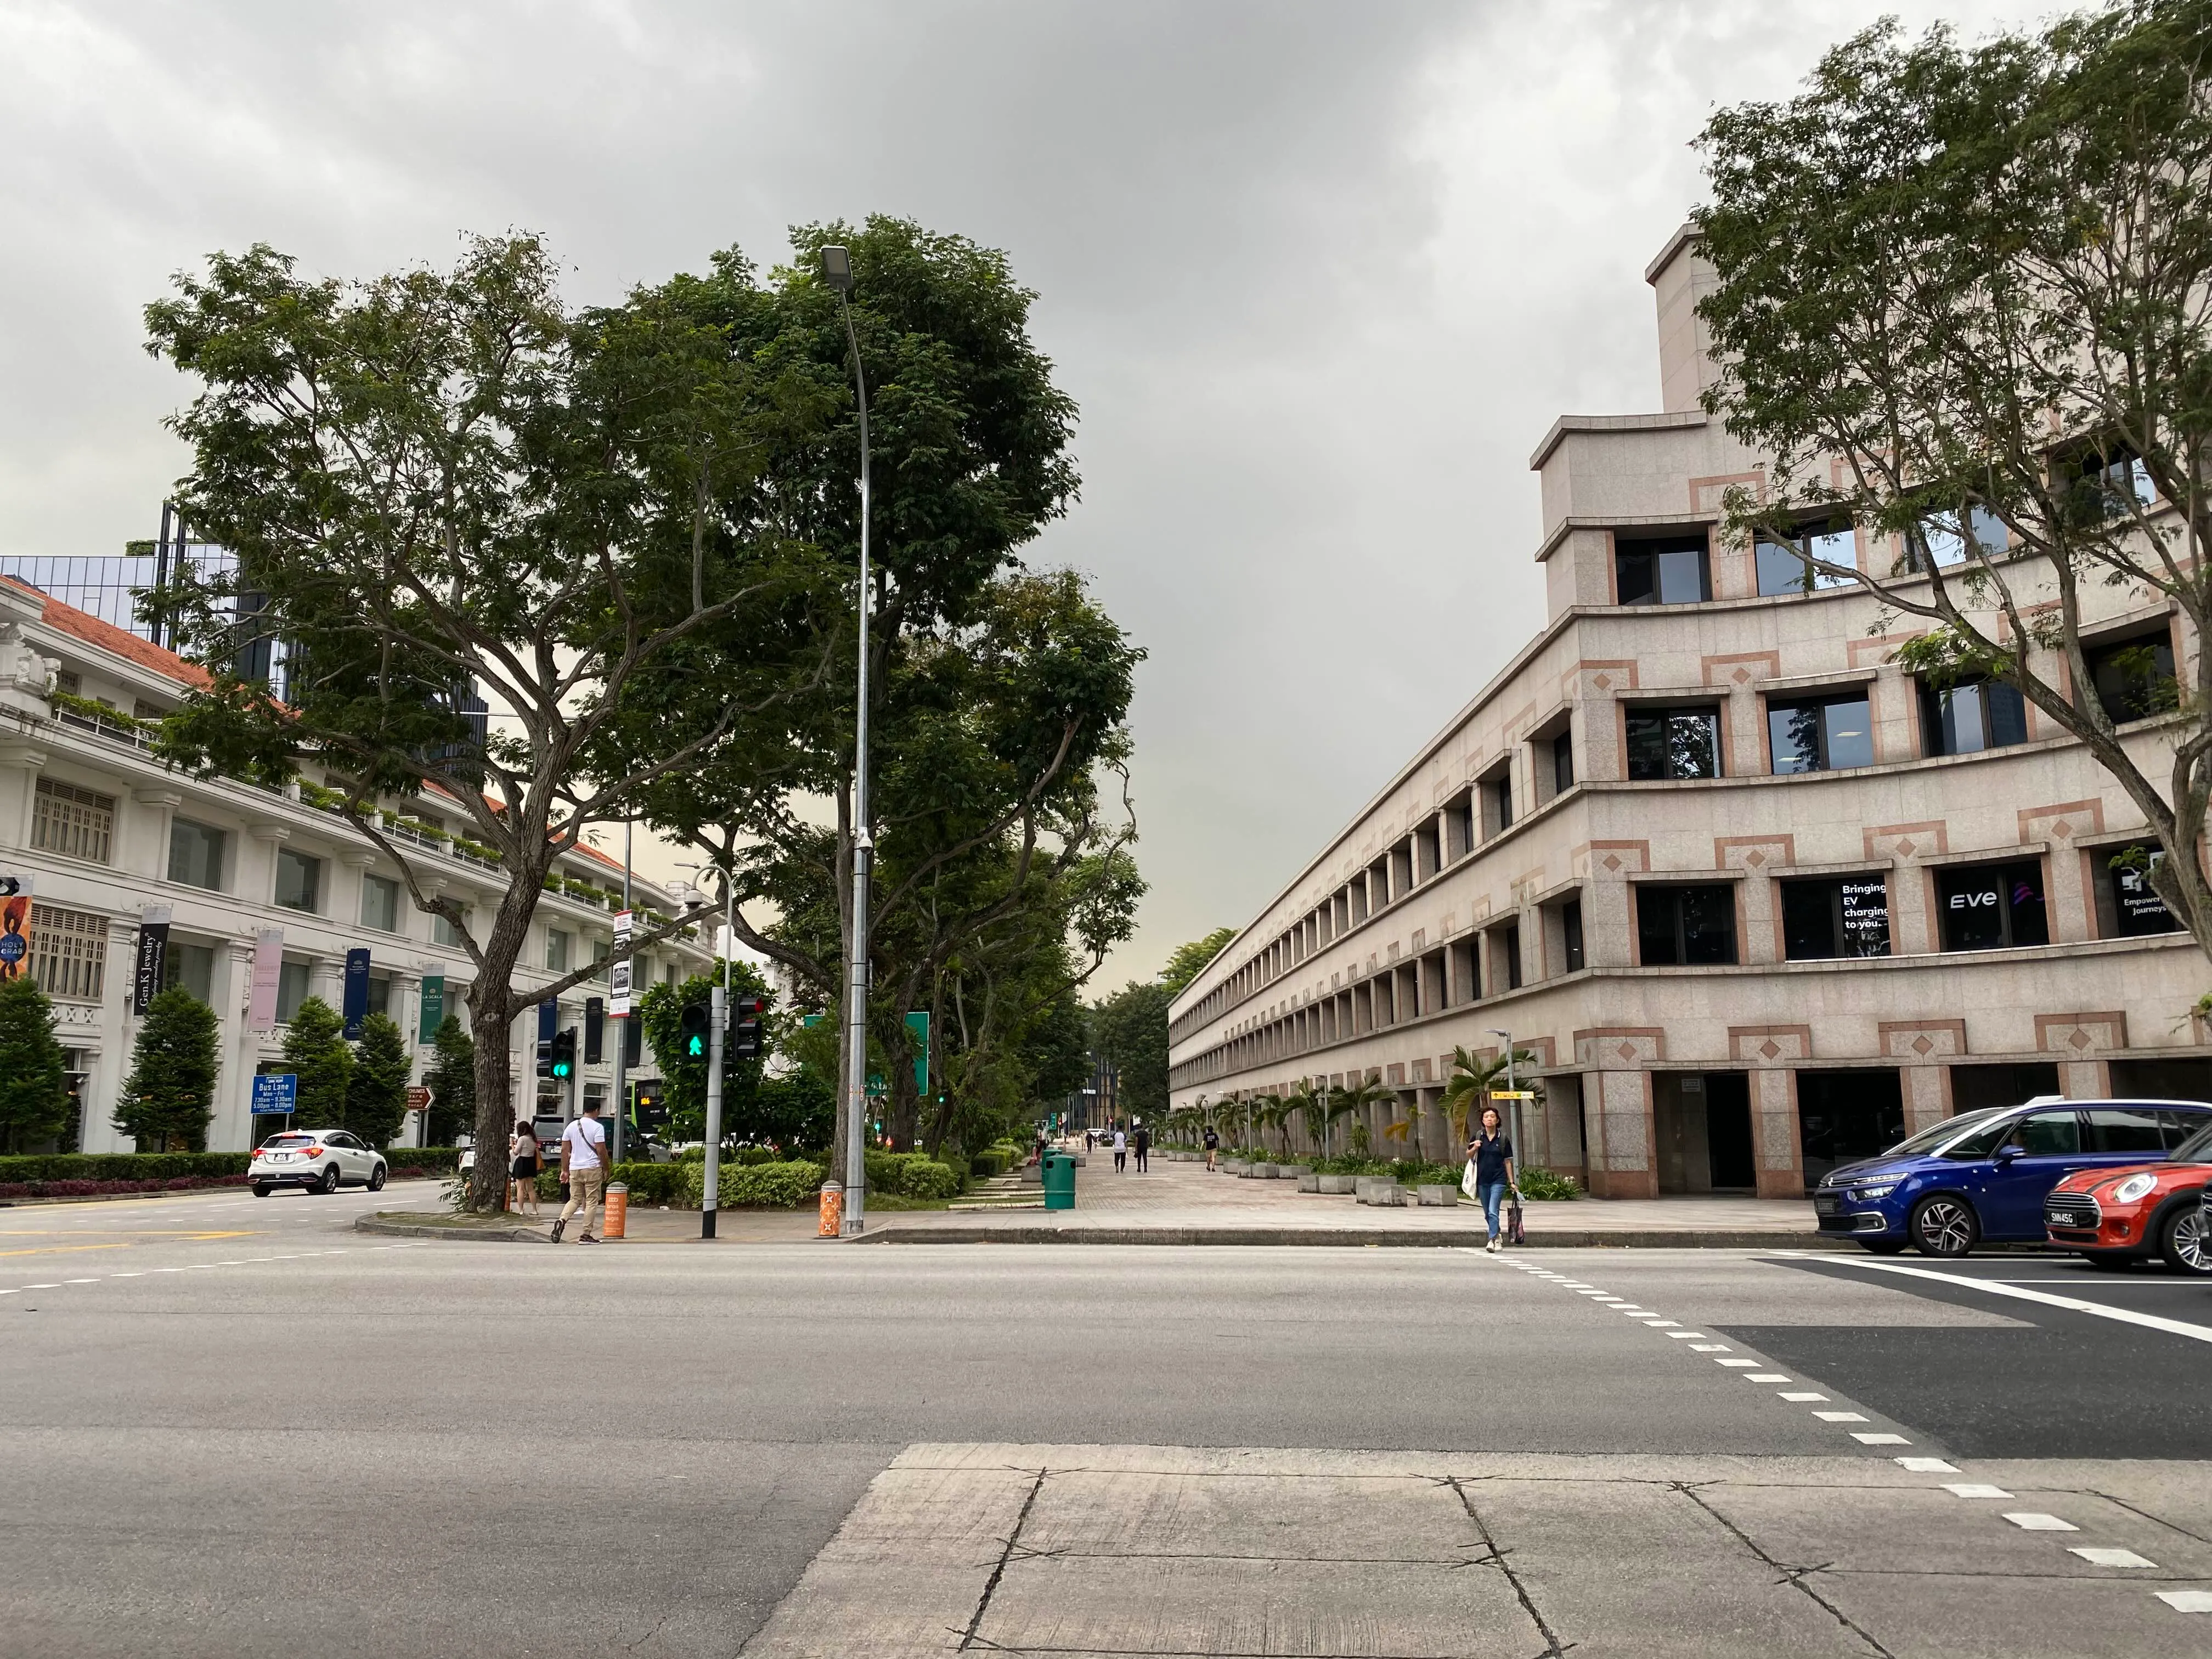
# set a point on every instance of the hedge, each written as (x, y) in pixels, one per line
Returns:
(912, 1174)
(122, 1166)
(755, 1186)
(423, 1157)
(988, 1163)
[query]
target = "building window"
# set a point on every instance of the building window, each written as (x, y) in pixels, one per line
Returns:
(2113, 483)
(1964, 720)
(1821, 919)
(1825, 736)
(298, 879)
(1667, 571)
(1571, 935)
(442, 931)
(1459, 815)
(68, 954)
(379, 996)
(193, 967)
(602, 950)
(2134, 678)
(1673, 742)
(380, 903)
(1508, 946)
(1946, 543)
(1686, 926)
(1563, 763)
(1785, 562)
(2132, 907)
(1986, 906)
(557, 944)
(195, 854)
(1496, 802)
(292, 978)
(75, 822)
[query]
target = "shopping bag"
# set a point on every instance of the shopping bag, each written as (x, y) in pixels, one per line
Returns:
(1466, 1181)
(1514, 1234)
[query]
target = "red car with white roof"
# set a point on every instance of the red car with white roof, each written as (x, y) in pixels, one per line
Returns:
(2115, 1217)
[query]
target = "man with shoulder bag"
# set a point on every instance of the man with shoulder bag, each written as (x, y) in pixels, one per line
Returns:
(584, 1169)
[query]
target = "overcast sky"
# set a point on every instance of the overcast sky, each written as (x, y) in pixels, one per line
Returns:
(1318, 275)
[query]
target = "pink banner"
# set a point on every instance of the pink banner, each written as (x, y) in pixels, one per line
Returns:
(268, 963)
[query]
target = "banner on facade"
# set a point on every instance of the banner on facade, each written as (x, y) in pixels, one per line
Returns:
(268, 969)
(356, 994)
(619, 970)
(434, 1007)
(153, 961)
(14, 925)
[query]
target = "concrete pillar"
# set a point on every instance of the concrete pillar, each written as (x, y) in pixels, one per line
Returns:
(1927, 1090)
(1781, 1171)
(1621, 1136)
(2085, 1080)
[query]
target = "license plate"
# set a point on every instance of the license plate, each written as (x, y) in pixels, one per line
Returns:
(1826, 1206)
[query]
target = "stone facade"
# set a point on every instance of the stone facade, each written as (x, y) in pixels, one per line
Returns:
(103, 832)
(1758, 900)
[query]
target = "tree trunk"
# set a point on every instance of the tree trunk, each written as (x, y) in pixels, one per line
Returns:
(491, 1015)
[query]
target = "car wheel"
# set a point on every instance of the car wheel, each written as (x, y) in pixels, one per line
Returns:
(1882, 1246)
(2182, 1242)
(260, 1191)
(1944, 1225)
(376, 1181)
(2108, 1261)
(330, 1179)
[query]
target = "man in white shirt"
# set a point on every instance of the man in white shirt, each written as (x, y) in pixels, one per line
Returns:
(1120, 1151)
(584, 1167)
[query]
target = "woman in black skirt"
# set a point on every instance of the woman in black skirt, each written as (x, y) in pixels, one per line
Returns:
(522, 1185)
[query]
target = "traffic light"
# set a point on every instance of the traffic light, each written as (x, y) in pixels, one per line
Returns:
(693, 1041)
(651, 1105)
(545, 1059)
(745, 1034)
(565, 1054)
(595, 1028)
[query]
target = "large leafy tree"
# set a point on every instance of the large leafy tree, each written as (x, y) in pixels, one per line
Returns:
(1187, 962)
(1965, 299)
(317, 1054)
(662, 1008)
(441, 485)
(169, 1096)
(34, 1088)
(452, 1080)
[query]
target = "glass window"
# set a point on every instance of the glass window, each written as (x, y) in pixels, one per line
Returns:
(379, 997)
(2126, 1129)
(1509, 936)
(1964, 720)
(1571, 931)
(1678, 927)
(2113, 483)
(1827, 919)
(298, 879)
(69, 952)
(1985, 907)
(2134, 678)
(1671, 570)
(2042, 1134)
(195, 854)
(442, 932)
(1673, 742)
(2138, 909)
(77, 822)
(1562, 763)
(380, 903)
(557, 944)
(191, 966)
(1784, 563)
(292, 978)
(1821, 737)
(1947, 544)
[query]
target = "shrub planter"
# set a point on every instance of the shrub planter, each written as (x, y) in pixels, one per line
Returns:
(1231, 1166)
(1301, 1173)
(1335, 1184)
(1438, 1195)
(1263, 1172)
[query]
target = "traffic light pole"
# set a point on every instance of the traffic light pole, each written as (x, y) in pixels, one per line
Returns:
(710, 1197)
(621, 1031)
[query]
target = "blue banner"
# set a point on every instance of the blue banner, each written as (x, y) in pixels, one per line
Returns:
(549, 1019)
(356, 994)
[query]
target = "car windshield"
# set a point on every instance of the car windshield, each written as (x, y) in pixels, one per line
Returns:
(2197, 1148)
(1929, 1139)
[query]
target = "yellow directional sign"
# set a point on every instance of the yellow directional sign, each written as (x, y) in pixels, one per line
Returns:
(1513, 1094)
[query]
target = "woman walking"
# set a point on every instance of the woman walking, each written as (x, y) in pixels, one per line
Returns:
(1491, 1154)
(522, 1168)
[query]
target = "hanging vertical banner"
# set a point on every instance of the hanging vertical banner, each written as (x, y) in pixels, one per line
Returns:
(153, 957)
(268, 969)
(14, 925)
(356, 994)
(434, 1007)
(619, 970)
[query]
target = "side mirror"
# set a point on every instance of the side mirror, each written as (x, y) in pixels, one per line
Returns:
(2011, 1151)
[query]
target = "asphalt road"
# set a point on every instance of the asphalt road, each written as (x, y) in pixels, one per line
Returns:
(234, 1426)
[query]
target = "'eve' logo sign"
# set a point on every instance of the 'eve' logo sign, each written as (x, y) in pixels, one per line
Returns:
(1973, 900)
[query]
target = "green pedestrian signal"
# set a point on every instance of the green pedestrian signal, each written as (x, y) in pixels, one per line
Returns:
(565, 1054)
(693, 1039)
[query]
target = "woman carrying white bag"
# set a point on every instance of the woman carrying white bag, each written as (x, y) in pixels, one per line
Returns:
(1489, 1174)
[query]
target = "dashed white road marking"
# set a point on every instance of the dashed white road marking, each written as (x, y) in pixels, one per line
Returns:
(1975, 1489)
(1879, 1439)
(1738, 1364)
(1802, 1396)
(1687, 1336)
(2108, 1557)
(2037, 1521)
(1765, 1376)
(2187, 1601)
(1709, 1348)
(1926, 1465)
(1840, 1417)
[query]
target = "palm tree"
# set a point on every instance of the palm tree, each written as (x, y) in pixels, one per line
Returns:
(1259, 1113)
(1369, 1091)
(1472, 1079)
(1408, 1127)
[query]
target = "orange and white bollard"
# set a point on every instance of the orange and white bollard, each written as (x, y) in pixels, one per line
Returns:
(832, 1224)
(618, 1211)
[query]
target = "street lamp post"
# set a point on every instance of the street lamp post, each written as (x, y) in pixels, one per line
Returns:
(1512, 1089)
(837, 272)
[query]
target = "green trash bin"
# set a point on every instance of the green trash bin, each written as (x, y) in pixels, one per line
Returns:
(1059, 1173)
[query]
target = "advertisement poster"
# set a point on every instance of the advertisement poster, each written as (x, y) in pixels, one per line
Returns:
(434, 1007)
(619, 970)
(14, 925)
(152, 958)
(268, 967)
(356, 994)
(1866, 917)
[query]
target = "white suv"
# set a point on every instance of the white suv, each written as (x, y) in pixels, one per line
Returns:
(321, 1160)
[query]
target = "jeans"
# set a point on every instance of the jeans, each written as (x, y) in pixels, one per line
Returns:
(584, 1187)
(1493, 1194)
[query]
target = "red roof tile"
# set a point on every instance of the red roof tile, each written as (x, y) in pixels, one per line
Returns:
(81, 625)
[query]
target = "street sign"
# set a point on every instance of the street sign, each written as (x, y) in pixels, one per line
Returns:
(276, 1096)
(1513, 1094)
(418, 1098)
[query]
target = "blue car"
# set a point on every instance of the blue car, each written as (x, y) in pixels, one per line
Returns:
(1980, 1177)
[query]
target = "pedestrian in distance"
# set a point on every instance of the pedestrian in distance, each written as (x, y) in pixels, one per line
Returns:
(1142, 1142)
(1490, 1166)
(1213, 1145)
(522, 1168)
(1120, 1152)
(584, 1167)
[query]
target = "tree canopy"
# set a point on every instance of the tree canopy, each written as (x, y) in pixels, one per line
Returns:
(34, 1086)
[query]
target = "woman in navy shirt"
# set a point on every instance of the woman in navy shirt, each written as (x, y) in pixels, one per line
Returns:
(1491, 1154)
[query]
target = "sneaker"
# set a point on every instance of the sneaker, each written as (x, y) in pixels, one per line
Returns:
(587, 1239)
(557, 1226)
(1491, 1247)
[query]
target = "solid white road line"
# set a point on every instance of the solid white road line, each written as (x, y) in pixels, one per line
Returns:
(2037, 1521)
(2021, 1293)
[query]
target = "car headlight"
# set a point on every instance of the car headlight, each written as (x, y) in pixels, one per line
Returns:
(2135, 1187)
(1883, 1191)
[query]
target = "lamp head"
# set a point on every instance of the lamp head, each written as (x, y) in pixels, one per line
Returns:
(837, 267)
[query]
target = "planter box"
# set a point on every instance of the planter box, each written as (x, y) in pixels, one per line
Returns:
(1263, 1172)
(1440, 1195)
(1335, 1184)
(1230, 1167)
(1379, 1190)
(1303, 1174)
